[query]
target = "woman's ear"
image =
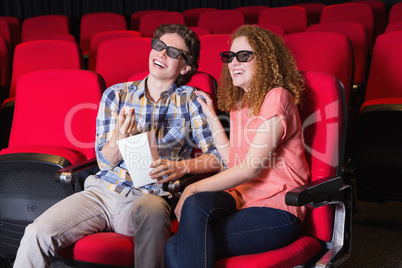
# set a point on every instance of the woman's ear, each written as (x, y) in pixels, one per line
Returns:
(185, 69)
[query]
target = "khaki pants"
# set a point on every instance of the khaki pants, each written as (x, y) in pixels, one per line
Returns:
(146, 217)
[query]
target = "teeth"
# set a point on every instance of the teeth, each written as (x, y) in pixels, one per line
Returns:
(237, 72)
(160, 64)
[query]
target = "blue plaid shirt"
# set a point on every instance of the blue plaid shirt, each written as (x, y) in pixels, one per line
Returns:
(177, 120)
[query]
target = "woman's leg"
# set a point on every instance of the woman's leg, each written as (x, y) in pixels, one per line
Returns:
(255, 230)
(193, 246)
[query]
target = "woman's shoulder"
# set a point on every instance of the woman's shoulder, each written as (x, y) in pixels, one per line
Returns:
(278, 97)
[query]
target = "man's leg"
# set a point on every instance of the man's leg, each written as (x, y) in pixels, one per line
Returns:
(147, 218)
(62, 224)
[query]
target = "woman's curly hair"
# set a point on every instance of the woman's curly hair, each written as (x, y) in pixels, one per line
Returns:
(274, 67)
(192, 42)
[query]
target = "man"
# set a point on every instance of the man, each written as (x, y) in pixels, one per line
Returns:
(110, 202)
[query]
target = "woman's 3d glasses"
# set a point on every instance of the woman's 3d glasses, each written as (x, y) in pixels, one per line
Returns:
(241, 56)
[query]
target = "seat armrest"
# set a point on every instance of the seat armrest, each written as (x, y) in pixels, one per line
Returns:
(314, 192)
(77, 173)
(180, 184)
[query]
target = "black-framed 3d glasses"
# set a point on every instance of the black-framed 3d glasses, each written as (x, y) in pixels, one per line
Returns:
(241, 56)
(172, 52)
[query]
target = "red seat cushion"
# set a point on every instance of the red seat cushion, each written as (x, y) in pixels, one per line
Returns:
(300, 251)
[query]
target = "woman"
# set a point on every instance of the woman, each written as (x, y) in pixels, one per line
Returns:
(242, 210)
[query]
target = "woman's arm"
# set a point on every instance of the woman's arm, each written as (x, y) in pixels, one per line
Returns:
(263, 145)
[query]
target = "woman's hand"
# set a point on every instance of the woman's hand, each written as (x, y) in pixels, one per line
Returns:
(207, 105)
(172, 169)
(188, 191)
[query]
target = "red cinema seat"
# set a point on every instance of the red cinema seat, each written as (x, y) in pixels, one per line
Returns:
(52, 36)
(326, 237)
(292, 19)
(251, 13)
(221, 21)
(45, 24)
(395, 13)
(358, 36)
(96, 22)
(98, 38)
(5, 68)
(396, 26)
(191, 15)
(15, 26)
(5, 32)
(53, 127)
(380, 14)
(378, 129)
(118, 59)
(324, 52)
(211, 46)
(136, 17)
(352, 12)
(313, 11)
(150, 21)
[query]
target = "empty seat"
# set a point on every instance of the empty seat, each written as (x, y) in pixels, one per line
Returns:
(378, 130)
(98, 38)
(136, 17)
(211, 46)
(5, 32)
(15, 26)
(313, 11)
(352, 12)
(50, 36)
(191, 15)
(221, 21)
(200, 30)
(45, 24)
(325, 239)
(96, 22)
(292, 19)
(118, 59)
(325, 52)
(150, 21)
(54, 126)
(358, 36)
(5, 68)
(380, 14)
(251, 13)
(396, 26)
(395, 13)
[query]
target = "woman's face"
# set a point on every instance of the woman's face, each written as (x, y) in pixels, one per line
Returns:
(241, 72)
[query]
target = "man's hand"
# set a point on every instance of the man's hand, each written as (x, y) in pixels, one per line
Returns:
(125, 123)
(188, 191)
(172, 169)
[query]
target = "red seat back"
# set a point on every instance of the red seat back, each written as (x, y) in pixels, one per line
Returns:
(324, 52)
(150, 21)
(221, 21)
(393, 27)
(44, 54)
(98, 38)
(15, 26)
(45, 24)
(292, 19)
(96, 22)
(352, 12)
(313, 11)
(395, 14)
(57, 108)
(251, 13)
(118, 59)
(191, 15)
(385, 80)
(136, 17)
(5, 32)
(5, 66)
(358, 36)
(210, 60)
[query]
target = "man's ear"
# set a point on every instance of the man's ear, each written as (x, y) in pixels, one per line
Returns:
(185, 69)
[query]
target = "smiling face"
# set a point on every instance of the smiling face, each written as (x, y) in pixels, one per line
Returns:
(241, 72)
(163, 67)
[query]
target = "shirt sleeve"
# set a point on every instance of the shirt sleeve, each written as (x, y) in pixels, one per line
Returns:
(105, 124)
(201, 130)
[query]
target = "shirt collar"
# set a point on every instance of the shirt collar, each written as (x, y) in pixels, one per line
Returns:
(169, 92)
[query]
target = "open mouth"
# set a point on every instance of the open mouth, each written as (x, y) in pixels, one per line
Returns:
(159, 64)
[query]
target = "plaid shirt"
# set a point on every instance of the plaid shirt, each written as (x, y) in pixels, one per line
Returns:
(176, 119)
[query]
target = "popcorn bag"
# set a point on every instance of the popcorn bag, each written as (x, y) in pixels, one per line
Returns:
(138, 152)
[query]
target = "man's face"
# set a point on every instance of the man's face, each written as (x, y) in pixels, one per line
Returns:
(162, 66)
